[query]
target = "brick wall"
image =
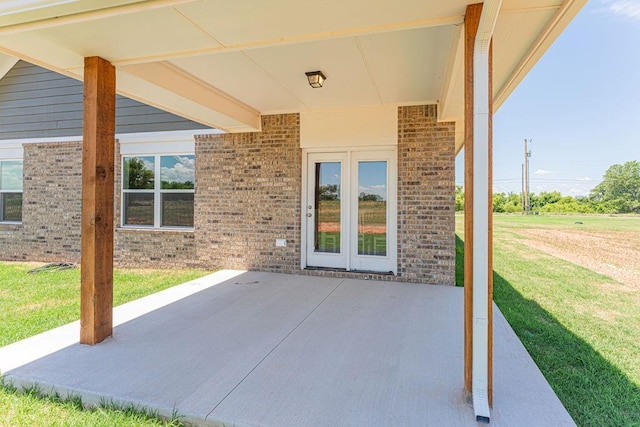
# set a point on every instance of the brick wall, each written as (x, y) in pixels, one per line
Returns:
(51, 214)
(11, 246)
(248, 194)
(426, 196)
(154, 248)
(52, 200)
(50, 229)
(248, 189)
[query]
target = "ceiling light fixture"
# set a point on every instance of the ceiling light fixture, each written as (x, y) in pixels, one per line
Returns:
(316, 78)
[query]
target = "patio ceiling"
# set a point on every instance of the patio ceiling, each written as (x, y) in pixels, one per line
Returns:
(224, 63)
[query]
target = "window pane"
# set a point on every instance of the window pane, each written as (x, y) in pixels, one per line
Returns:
(138, 173)
(327, 209)
(177, 172)
(372, 208)
(11, 207)
(11, 175)
(138, 208)
(177, 209)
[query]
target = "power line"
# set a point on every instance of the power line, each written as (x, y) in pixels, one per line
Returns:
(544, 180)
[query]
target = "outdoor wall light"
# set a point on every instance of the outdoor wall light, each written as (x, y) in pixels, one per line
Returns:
(316, 78)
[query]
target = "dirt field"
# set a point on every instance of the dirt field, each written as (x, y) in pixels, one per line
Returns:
(613, 253)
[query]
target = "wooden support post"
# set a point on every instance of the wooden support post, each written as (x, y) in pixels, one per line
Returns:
(472, 19)
(96, 300)
(490, 237)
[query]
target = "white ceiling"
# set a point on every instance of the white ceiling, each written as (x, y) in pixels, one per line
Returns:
(223, 63)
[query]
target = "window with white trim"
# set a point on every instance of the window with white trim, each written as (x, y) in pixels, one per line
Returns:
(10, 190)
(158, 190)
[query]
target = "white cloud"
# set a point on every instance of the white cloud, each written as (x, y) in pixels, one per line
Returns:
(542, 172)
(576, 192)
(11, 178)
(586, 178)
(379, 189)
(148, 163)
(629, 9)
(182, 171)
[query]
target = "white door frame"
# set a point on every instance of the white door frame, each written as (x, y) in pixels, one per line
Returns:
(352, 155)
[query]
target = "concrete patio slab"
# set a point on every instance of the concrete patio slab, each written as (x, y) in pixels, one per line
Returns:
(263, 349)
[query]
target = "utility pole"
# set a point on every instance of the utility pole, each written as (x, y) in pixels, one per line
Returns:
(526, 205)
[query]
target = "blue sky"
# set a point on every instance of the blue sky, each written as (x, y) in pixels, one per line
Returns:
(580, 105)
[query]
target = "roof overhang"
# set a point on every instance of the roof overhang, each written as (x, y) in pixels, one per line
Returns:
(224, 64)
(6, 64)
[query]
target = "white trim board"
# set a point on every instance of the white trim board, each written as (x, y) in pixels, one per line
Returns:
(130, 143)
(358, 127)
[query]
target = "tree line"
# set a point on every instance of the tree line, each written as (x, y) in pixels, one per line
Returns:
(619, 192)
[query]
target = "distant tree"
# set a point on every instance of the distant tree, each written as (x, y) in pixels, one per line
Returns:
(368, 197)
(329, 192)
(513, 203)
(499, 200)
(502, 203)
(546, 202)
(544, 198)
(139, 176)
(619, 191)
(176, 185)
(567, 204)
(459, 198)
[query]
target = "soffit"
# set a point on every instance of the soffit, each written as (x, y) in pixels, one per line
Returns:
(223, 63)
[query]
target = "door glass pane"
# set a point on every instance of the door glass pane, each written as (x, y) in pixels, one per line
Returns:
(372, 208)
(327, 207)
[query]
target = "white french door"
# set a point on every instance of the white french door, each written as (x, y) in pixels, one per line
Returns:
(350, 210)
(326, 215)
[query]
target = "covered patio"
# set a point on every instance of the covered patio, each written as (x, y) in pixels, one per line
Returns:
(252, 348)
(408, 84)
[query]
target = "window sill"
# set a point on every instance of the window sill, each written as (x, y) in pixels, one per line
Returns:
(155, 230)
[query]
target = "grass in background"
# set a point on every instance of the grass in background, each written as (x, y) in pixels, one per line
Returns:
(580, 327)
(589, 222)
(34, 303)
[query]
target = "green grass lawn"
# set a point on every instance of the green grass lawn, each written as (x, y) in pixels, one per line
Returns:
(33, 303)
(581, 328)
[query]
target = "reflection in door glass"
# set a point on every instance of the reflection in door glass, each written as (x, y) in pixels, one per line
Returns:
(327, 207)
(372, 208)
